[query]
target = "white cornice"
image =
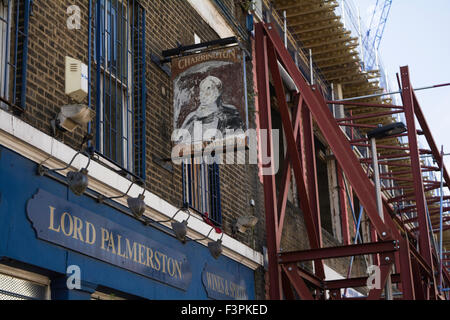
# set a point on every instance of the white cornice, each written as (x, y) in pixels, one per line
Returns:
(37, 146)
(209, 13)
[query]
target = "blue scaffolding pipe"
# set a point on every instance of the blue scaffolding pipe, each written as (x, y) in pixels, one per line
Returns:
(358, 227)
(351, 206)
(355, 242)
(441, 216)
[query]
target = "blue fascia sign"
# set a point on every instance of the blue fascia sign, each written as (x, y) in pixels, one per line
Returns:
(66, 224)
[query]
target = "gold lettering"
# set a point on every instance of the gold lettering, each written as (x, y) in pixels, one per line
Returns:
(90, 226)
(52, 218)
(141, 253)
(232, 290)
(150, 258)
(157, 261)
(170, 265)
(226, 288)
(119, 245)
(131, 254)
(209, 280)
(105, 237)
(164, 261)
(78, 225)
(181, 65)
(111, 243)
(178, 267)
(63, 224)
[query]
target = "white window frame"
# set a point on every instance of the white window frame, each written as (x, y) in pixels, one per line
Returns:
(27, 276)
(97, 295)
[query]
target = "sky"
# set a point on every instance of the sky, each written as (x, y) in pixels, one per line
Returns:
(417, 35)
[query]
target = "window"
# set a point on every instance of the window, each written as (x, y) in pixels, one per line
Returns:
(201, 189)
(4, 35)
(119, 52)
(17, 284)
(105, 296)
(13, 53)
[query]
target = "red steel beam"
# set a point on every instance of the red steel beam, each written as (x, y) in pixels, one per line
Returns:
(268, 180)
(407, 96)
(357, 125)
(309, 214)
(287, 173)
(297, 282)
(354, 282)
(333, 134)
(429, 137)
(385, 269)
(406, 275)
(287, 289)
(310, 167)
(369, 115)
(310, 278)
(390, 156)
(365, 104)
(432, 213)
(338, 252)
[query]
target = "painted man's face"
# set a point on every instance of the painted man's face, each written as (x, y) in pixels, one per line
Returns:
(210, 90)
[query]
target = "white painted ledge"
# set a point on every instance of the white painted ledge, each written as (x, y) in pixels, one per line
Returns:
(209, 13)
(37, 146)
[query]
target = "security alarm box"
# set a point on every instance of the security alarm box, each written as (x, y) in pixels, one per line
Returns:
(76, 79)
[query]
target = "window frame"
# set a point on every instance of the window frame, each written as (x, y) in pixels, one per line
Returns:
(205, 197)
(109, 34)
(120, 142)
(14, 56)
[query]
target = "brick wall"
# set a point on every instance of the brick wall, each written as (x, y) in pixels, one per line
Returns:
(169, 23)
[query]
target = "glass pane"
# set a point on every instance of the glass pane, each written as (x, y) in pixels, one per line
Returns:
(113, 120)
(3, 47)
(17, 289)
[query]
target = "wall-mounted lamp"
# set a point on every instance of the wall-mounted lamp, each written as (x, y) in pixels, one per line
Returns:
(73, 116)
(215, 247)
(179, 228)
(136, 205)
(77, 180)
(243, 223)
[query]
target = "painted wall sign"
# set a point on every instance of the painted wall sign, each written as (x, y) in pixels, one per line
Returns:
(60, 222)
(209, 94)
(221, 285)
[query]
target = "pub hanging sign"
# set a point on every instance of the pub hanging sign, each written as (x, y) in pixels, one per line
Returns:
(209, 96)
(66, 224)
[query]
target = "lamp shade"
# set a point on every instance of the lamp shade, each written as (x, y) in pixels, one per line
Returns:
(78, 181)
(137, 205)
(215, 248)
(180, 229)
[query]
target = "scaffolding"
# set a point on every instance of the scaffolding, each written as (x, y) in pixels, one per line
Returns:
(402, 241)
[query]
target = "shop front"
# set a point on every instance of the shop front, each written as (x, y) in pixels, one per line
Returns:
(75, 247)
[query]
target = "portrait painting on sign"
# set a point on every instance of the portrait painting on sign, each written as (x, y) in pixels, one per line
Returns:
(209, 94)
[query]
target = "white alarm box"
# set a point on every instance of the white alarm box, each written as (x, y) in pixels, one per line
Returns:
(76, 79)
